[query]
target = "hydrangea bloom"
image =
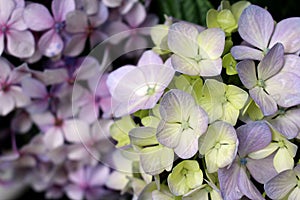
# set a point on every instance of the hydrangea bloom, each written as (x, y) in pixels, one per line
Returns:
(182, 123)
(196, 53)
(38, 18)
(257, 28)
(129, 94)
(272, 84)
(19, 41)
(11, 94)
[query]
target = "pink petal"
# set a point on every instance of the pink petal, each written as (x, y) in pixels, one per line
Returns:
(50, 44)
(34, 88)
(16, 20)
(60, 9)
(96, 37)
(136, 15)
(6, 103)
(112, 3)
(287, 32)
(256, 26)
(20, 43)
(1, 43)
(20, 98)
(87, 69)
(76, 22)
(43, 119)
(6, 8)
(75, 45)
(241, 52)
(74, 192)
(89, 112)
(76, 131)
(53, 138)
(37, 17)
(101, 17)
(5, 69)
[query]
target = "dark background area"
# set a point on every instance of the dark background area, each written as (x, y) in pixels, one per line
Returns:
(195, 11)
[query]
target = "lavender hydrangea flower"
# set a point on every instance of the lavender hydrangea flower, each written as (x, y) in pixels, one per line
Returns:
(285, 184)
(19, 41)
(38, 18)
(183, 122)
(234, 181)
(257, 28)
(11, 94)
(273, 84)
(144, 84)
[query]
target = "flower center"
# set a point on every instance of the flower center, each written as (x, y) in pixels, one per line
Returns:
(218, 145)
(261, 83)
(243, 161)
(198, 58)
(58, 122)
(59, 26)
(4, 29)
(185, 125)
(150, 91)
(281, 144)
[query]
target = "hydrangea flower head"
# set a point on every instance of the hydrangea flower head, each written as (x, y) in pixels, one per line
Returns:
(257, 28)
(196, 53)
(19, 41)
(182, 123)
(273, 84)
(133, 88)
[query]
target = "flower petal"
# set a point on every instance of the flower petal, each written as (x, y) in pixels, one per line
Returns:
(283, 160)
(182, 39)
(6, 8)
(247, 73)
(6, 102)
(256, 26)
(287, 32)
(284, 89)
(281, 185)
(149, 57)
(136, 15)
(210, 67)
(168, 134)
(76, 131)
(185, 65)
(76, 22)
(241, 52)
(212, 42)
(75, 45)
(262, 170)
(272, 63)
(60, 9)
(37, 17)
(266, 102)
(20, 43)
(50, 44)
(34, 88)
(253, 137)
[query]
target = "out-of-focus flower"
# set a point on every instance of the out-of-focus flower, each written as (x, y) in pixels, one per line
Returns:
(11, 93)
(83, 27)
(19, 41)
(87, 183)
(38, 18)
